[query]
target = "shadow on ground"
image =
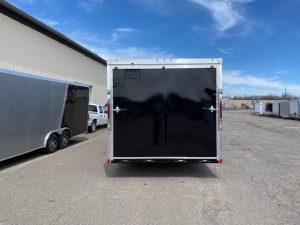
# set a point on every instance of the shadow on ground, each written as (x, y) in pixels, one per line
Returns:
(35, 154)
(159, 170)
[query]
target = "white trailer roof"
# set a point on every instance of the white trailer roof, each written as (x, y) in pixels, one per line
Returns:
(182, 61)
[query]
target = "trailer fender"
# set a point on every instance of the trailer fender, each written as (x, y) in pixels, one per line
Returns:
(59, 132)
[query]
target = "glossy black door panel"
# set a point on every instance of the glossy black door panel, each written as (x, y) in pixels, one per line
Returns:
(191, 127)
(138, 130)
(75, 115)
(164, 113)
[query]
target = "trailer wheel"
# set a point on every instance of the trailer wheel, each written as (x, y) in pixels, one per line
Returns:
(64, 139)
(52, 144)
(93, 127)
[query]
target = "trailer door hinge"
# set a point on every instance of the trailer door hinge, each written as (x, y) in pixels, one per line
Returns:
(211, 109)
(117, 109)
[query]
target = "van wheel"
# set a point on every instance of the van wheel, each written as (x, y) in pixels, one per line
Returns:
(93, 127)
(64, 139)
(52, 144)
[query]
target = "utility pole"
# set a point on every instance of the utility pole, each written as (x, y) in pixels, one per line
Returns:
(285, 94)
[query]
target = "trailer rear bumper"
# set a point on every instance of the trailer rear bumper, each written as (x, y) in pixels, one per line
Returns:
(165, 160)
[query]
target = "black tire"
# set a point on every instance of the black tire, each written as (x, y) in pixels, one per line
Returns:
(93, 127)
(52, 144)
(64, 139)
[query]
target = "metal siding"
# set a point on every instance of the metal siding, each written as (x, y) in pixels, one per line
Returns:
(28, 51)
(285, 109)
(30, 109)
(260, 108)
(294, 108)
(299, 109)
(256, 108)
(276, 109)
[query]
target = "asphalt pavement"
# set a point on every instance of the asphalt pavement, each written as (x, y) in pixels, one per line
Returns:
(258, 183)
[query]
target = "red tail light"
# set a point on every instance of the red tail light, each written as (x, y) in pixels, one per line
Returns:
(108, 110)
(221, 110)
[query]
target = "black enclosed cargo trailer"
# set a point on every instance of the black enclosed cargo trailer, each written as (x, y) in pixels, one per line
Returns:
(38, 112)
(165, 110)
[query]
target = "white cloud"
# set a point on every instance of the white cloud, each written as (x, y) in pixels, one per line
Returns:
(26, 1)
(225, 51)
(282, 72)
(89, 5)
(120, 33)
(82, 36)
(224, 12)
(158, 6)
(94, 39)
(112, 49)
(237, 83)
(49, 22)
(133, 53)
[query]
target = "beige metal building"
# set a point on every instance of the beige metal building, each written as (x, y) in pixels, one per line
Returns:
(31, 47)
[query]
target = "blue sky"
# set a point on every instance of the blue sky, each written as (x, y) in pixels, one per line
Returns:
(259, 40)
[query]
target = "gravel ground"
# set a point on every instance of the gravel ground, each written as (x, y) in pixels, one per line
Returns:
(258, 183)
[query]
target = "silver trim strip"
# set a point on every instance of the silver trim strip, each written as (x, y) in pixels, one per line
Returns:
(10, 72)
(111, 98)
(219, 99)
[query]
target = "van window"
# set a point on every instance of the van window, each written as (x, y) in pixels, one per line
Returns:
(92, 108)
(100, 109)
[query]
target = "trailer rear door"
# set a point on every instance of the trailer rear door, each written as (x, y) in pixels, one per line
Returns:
(164, 113)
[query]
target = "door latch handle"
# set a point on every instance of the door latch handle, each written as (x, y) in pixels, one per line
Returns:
(211, 109)
(117, 109)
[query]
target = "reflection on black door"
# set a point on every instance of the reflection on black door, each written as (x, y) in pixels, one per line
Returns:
(164, 113)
